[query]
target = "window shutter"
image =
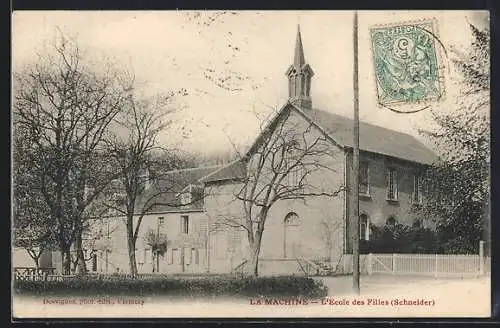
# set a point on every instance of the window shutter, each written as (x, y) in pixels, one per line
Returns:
(395, 182)
(187, 255)
(388, 181)
(169, 256)
(179, 256)
(194, 254)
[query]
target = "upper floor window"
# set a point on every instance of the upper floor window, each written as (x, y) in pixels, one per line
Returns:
(160, 221)
(392, 184)
(185, 224)
(417, 189)
(293, 165)
(364, 185)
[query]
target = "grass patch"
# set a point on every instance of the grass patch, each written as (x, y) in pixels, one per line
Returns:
(281, 286)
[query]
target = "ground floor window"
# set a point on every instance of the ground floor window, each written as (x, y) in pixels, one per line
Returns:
(364, 227)
(94, 262)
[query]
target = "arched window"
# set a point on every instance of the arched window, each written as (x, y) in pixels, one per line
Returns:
(292, 84)
(302, 85)
(364, 231)
(297, 84)
(291, 235)
(292, 219)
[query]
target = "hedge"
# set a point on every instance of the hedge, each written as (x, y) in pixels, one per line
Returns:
(281, 286)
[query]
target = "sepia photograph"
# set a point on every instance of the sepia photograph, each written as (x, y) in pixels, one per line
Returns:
(250, 164)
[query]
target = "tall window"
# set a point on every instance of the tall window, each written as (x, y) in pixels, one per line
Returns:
(185, 224)
(392, 184)
(293, 166)
(417, 189)
(160, 221)
(292, 236)
(364, 186)
(364, 232)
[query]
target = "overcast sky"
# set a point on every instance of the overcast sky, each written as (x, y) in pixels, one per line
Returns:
(172, 50)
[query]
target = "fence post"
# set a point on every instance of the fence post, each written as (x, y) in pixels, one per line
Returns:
(481, 257)
(394, 263)
(436, 267)
(369, 264)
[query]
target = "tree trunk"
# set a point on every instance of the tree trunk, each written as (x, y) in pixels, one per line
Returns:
(157, 262)
(33, 254)
(254, 257)
(66, 261)
(81, 266)
(131, 246)
(131, 257)
(37, 262)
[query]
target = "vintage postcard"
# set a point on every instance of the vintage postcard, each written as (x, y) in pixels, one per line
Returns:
(244, 164)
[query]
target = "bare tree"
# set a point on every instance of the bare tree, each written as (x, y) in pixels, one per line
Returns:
(281, 166)
(141, 160)
(66, 105)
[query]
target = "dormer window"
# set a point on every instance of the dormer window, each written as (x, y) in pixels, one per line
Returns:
(185, 198)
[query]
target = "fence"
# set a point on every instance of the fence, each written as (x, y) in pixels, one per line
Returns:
(49, 275)
(32, 273)
(437, 265)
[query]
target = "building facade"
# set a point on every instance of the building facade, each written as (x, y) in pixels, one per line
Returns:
(311, 229)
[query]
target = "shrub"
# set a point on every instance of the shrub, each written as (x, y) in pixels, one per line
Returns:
(400, 239)
(283, 286)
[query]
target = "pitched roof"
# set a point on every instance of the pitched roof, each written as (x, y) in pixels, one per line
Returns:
(233, 170)
(372, 138)
(165, 190)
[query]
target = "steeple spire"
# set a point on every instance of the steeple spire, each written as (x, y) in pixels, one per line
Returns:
(299, 59)
(299, 77)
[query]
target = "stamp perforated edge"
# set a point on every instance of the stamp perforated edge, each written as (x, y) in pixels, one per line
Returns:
(434, 22)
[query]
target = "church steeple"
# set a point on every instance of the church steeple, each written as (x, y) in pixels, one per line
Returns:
(298, 59)
(299, 77)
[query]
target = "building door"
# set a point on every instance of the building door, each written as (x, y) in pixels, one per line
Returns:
(291, 236)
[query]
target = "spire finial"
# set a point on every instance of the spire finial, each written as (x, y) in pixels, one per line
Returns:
(299, 59)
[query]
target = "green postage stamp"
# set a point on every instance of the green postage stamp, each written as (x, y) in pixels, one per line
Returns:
(406, 63)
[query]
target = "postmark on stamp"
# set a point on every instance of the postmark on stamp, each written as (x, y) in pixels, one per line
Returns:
(406, 63)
